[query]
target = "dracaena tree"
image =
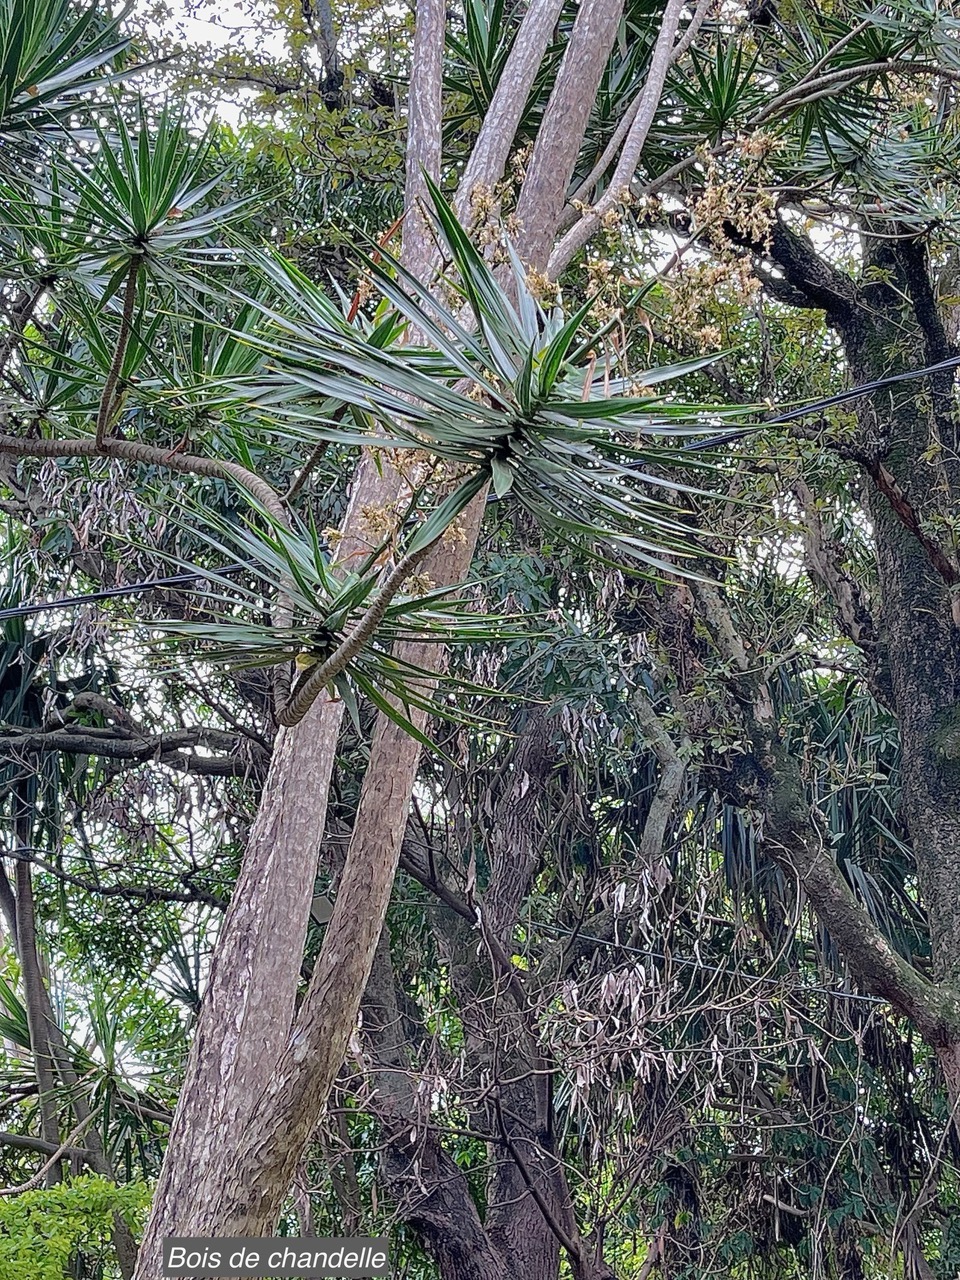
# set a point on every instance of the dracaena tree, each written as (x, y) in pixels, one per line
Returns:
(140, 334)
(131, 316)
(822, 75)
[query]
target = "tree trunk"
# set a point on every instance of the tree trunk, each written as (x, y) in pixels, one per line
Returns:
(248, 1007)
(35, 1000)
(431, 1192)
(918, 615)
(235, 1144)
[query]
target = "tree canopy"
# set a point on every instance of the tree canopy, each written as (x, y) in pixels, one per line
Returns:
(479, 668)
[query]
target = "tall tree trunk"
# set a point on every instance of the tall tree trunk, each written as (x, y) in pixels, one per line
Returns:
(235, 1144)
(35, 1000)
(919, 617)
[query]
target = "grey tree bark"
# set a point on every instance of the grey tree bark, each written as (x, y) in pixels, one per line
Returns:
(258, 1076)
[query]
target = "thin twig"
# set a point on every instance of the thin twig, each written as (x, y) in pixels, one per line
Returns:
(66, 1148)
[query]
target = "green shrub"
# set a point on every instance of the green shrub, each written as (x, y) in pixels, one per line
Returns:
(42, 1232)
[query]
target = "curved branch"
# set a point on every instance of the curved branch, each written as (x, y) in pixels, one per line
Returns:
(150, 455)
(64, 1149)
(23, 1142)
(823, 285)
(165, 748)
(317, 679)
(143, 892)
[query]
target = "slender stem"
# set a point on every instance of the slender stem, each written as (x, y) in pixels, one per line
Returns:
(65, 1148)
(316, 680)
(305, 471)
(109, 401)
(572, 1247)
(35, 1003)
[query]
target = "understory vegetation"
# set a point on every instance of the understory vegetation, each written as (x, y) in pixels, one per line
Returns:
(480, 635)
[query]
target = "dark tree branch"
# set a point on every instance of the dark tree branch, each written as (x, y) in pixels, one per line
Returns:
(151, 456)
(171, 748)
(22, 1142)
(915, 264)
(808, 279)
(145, 893)
(907, 514)
(572, 1246)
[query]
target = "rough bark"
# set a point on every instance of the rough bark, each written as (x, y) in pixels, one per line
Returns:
(555, 151)
(248, 1006)
(245, 1019)
(236, 1144)
(529, 1216)
(918, 607)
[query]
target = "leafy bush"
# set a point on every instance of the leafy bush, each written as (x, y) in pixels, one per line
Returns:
(42, 1231)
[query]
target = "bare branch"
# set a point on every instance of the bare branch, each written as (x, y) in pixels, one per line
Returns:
(65, 1148)
(145, 893)
(646, 104)
(162, 748)
(23, 1142)
(490, 151)
(565, 120)
(151, 456)
(671, 778)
